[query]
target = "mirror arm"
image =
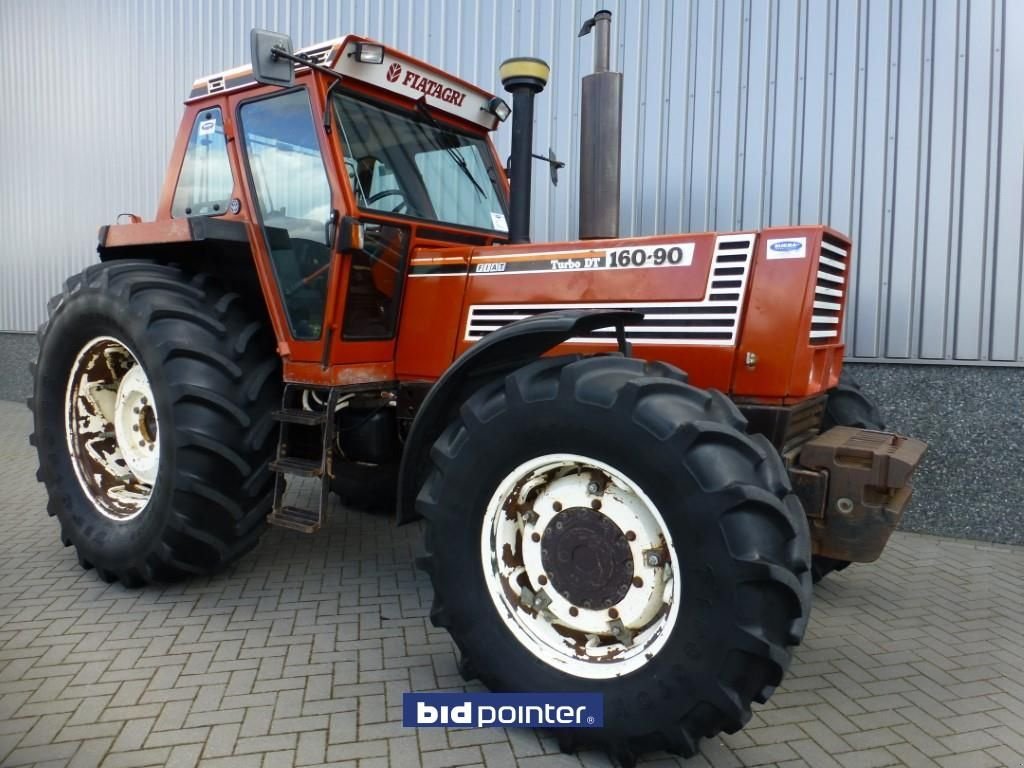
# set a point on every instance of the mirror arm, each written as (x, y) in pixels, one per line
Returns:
(277, 52)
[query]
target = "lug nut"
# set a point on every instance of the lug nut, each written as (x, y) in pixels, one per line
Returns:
(592, 488)
(638, 582)
(574, 611)
(535, 536)
(653, 560)
(136, 410)
(612, 613)
(542, 579)
(595, 504)
(135, 427)
(557, 506)
(630, 535)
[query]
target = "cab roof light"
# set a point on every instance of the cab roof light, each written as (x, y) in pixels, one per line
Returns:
(497, 107)
(367, 53)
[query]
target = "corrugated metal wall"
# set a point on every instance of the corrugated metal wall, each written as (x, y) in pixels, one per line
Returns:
(898, 122)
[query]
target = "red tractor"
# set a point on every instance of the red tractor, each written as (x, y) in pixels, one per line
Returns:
(339, 284)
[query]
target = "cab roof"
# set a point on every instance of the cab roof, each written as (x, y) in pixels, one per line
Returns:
(398, 73)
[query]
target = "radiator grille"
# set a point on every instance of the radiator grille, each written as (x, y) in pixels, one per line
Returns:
(713, 320)
(829, 291)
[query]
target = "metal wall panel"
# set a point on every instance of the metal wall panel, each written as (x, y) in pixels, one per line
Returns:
(899, 122)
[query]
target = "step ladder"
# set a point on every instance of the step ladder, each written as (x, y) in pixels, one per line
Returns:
(290, 417)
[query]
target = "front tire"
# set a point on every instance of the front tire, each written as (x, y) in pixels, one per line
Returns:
(152, 407)
(562, 455)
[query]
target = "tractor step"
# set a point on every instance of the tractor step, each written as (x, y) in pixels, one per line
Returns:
(290, 465)
(293, 417)
(299, 416)
(296, 519)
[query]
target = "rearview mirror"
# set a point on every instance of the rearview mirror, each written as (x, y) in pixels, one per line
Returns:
(267, 67)
(351, 235)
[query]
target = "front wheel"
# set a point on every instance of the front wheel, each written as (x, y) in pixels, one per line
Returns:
(597, 525)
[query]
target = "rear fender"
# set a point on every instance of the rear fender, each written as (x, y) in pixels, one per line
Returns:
(496, 354)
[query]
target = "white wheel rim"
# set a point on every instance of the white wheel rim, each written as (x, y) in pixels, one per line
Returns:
(112, 428)
(564, 523)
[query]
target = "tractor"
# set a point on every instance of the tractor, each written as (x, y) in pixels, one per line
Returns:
(339, 284)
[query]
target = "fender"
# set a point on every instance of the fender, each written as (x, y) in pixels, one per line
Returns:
(497, 353)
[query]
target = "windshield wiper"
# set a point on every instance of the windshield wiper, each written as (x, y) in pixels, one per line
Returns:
(421, 105)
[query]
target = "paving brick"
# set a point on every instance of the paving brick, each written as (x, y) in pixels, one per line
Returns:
(300, 653)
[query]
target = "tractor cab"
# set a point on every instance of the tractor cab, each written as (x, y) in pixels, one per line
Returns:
(346, 148)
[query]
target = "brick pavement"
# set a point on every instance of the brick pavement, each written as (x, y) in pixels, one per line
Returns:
(300, 654)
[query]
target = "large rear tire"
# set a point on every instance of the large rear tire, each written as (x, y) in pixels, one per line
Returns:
(668, 555)
(152, 407)
(845, 406)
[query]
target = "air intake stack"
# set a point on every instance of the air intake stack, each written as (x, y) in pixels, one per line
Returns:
(600, 137)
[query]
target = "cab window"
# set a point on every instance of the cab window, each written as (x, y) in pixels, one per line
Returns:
(294, 196)
(205, 183)
(408, 163)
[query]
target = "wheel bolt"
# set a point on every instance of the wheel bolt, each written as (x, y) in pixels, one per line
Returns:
(612, 613)
(630, 535)
(142, 443)
(574, 611)
(136, 410)
(145, 401)
(542, 579)
(595, 504)
(638, 582)
(558, 525)
(535, 536)
(557, 506)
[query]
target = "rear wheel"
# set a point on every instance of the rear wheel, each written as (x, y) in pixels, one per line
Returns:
(845, 406)
(152, 402)
(598, 525)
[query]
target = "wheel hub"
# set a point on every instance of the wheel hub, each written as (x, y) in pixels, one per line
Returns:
(135, 425)
(587, 558)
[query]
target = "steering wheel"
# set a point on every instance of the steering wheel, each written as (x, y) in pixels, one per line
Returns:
(385, 193)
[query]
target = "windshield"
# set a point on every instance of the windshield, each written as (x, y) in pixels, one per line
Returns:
(411, 165)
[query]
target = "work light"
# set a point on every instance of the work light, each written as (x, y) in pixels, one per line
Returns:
(368, 53)
(497, 107)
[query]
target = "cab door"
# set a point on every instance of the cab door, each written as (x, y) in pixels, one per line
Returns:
(373, 294)
(293, 198)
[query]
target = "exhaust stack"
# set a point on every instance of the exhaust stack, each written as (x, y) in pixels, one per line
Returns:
(524, 78)
(600, 137)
